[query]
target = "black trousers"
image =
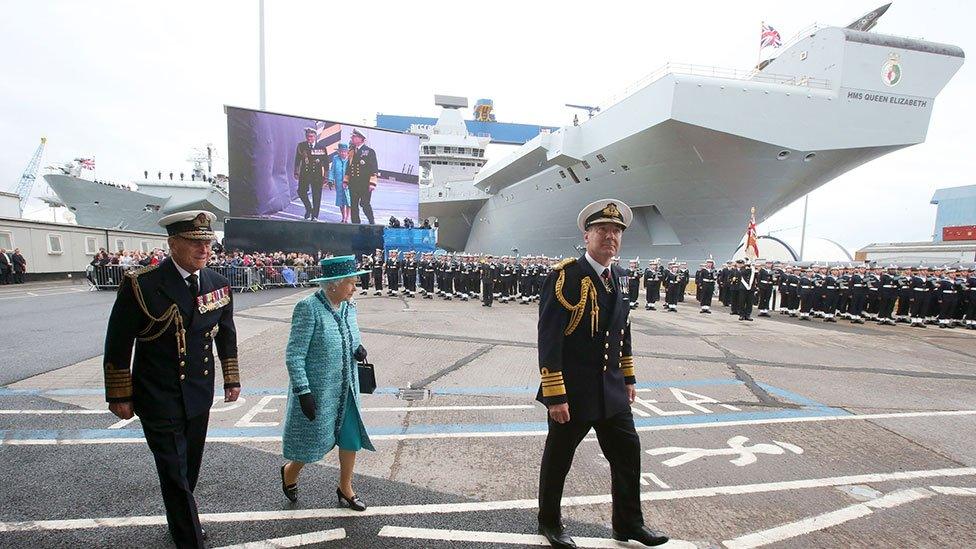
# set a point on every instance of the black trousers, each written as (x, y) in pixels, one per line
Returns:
(392, 279)
(364, 281)
(705, 293)
(653, 292)
(904, 302)
(886, 306)
(378, 279)
(487, 292)
(744, 308)
(765, 292)
(360, 195)
(177, 447)
(857, 303)
(620, 445)
(313, 183)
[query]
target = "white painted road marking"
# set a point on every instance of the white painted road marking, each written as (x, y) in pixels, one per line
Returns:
(954, 490)
(746, 455)
(826, 520)
(297, 540)
(496, 434)
(483, 506)
(505, 538)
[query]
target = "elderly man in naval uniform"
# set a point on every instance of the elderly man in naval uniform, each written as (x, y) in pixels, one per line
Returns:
(587, 370)
(175, 314)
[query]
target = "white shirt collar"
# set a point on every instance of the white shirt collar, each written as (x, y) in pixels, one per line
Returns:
(184, 273)
(595, 264)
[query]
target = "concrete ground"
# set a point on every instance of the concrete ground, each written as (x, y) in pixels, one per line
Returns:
(770, 433)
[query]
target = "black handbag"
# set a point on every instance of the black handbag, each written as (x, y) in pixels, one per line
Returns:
(367, 377)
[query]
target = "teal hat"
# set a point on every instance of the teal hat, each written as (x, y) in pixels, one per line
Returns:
(334, 268)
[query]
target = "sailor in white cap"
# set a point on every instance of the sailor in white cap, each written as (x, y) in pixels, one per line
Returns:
(652, 284)
(587, 369)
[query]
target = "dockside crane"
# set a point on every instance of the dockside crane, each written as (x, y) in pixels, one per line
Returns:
(26, 182)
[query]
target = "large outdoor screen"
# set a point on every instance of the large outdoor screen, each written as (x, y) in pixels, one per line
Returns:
(304, 169)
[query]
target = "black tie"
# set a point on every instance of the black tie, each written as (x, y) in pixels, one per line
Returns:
(606, 280)
(194, 287)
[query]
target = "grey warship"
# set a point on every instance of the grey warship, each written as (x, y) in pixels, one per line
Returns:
(692, 149)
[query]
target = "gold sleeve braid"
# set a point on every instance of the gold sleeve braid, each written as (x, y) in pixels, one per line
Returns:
(587, 292)
(232, 374)
(118, 382)
(627, 366)
(552, 383)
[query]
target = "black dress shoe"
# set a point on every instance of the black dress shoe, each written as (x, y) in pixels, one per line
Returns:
(290, 490)
(557, 536)
(354, 502)
(644, 535)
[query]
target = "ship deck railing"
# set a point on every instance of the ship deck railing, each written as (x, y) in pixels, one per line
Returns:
(688, 69)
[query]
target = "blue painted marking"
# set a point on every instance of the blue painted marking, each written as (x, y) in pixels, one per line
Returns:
(263, 391)
(810, 408)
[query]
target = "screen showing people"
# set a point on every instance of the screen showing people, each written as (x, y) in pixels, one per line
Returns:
(300, 169)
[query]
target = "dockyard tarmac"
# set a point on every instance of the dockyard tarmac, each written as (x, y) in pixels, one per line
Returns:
(773, 433)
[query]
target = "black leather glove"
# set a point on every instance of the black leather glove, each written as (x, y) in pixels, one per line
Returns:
(360, 353)
(308, 405)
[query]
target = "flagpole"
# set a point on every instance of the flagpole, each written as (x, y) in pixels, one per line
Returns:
(762, 24)
(803, 230)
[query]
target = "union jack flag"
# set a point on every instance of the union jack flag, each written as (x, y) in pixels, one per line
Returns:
(769, 37)
(752, 241)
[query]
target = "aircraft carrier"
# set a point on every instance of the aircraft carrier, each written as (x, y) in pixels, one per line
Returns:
(694, 148)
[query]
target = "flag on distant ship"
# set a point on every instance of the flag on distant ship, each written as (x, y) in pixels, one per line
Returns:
(86, 163)
(769, 37)
(752, 242)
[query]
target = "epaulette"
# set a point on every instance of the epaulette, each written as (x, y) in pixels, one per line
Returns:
(142, 270)
(562, 264)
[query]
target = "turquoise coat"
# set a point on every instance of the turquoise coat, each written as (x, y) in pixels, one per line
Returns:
(320, 361)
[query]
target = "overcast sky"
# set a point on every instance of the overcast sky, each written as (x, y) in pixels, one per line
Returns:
(137, 85)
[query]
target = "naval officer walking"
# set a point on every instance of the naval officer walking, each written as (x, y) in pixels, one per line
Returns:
(587, 370)
(173, 313)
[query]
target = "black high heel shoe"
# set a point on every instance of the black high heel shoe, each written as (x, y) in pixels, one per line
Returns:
(354, 502)
(290, 490)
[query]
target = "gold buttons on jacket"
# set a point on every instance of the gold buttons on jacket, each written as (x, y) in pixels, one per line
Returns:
(182, 363)
(206, 359)
(605, 357)
(206, 372)
(606, 345)
(206, 347)
(621, 332)
(182, 377)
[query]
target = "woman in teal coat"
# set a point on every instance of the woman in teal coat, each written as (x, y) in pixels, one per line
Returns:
(323, 400)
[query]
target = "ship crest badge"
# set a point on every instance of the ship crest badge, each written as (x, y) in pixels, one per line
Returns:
(891, 70)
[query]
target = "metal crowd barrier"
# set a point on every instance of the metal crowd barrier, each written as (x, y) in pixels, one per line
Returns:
(242, 279)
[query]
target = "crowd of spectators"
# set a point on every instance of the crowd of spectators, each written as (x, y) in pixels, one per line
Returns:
(244, 269)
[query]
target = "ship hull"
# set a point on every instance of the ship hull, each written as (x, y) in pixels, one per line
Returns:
(107, 206)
